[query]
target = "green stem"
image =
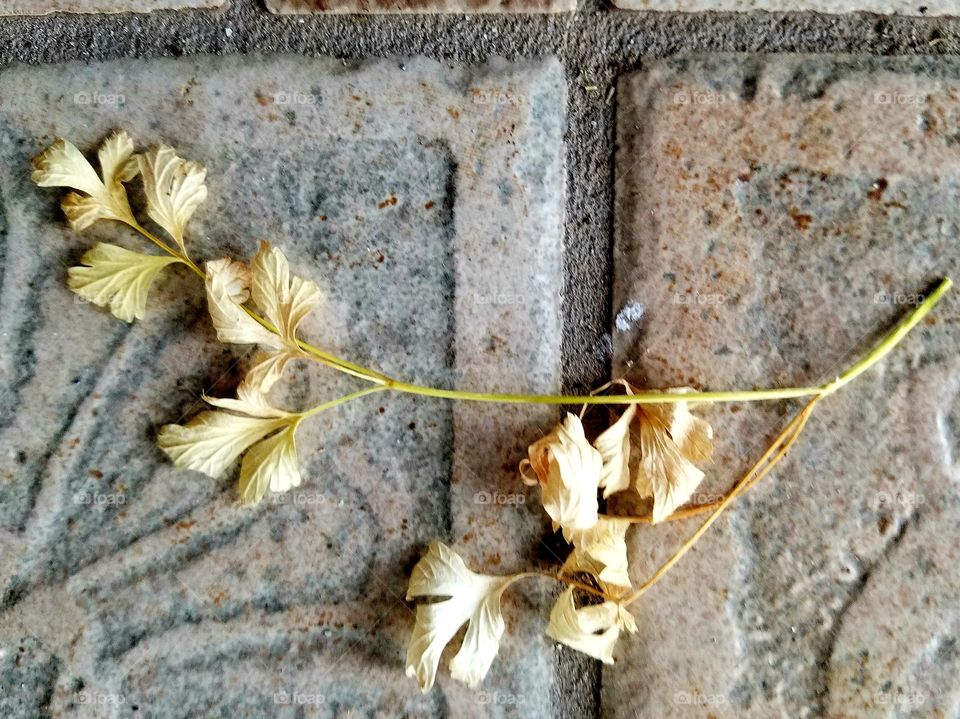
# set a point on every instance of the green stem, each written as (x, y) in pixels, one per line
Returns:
(383, 381)
(892, 339)
(638, 398)
(340, 400)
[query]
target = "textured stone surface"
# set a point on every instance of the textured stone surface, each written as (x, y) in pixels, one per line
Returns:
(43, 7)
(886, 7)
(297, 7)
(775, 215)
(432, 217)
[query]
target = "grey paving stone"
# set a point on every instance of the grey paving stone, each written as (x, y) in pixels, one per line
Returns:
(774, 215)
(919, 8)
(44, 7)
(430, 210)
(301, 7)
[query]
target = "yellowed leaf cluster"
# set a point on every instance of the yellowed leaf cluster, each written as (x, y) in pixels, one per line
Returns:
(111, 276)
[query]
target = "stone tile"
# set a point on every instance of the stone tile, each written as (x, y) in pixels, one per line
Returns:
(432, 217)
(775, 214)
(45, 7)
(303, 7)
(919, 8)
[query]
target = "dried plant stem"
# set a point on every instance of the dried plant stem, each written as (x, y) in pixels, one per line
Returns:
(775, 452)
(757, 395)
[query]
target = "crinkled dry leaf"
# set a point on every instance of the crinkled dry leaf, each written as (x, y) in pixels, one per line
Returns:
(467, 597)
(284, 299)
(671, 439)
(593, 630)
(117, 278)
(63, 165)
(614, 447)
(568, 469)
(602, 551)
(227, 285)
(174, 187)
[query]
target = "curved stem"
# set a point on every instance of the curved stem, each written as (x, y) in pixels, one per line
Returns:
(892, 338)
(880, 351)
(165, 247)
(570, 582)
(777, 451)
(324, 357)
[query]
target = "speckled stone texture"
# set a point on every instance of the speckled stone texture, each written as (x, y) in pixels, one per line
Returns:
(919, 8)
(299, 7)
(427, 200)
(44, 7)
(776, 215)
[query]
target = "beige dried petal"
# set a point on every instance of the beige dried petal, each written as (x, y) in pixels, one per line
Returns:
(252, 392)
(671, 439)
(568, 470)
(614, 447)
(212, 441)
(174, 187)
(117, 278)
(593, 630)
(602, 552)
(467, 598)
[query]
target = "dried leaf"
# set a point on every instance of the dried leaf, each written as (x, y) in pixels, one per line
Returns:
(568, 470)
(671, 439)
(212, 441)
(117, 278)
(227, 284)
(593, 630)
(467, 598)
(270, 464)
(63, 165)
(602, 551)
(174, 187)
(284, 299)
(614, 447)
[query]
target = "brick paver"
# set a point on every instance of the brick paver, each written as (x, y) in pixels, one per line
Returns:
(773, 214)
(427, 200)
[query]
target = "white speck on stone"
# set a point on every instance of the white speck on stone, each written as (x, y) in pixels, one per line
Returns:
(631, 312)
(229, 32)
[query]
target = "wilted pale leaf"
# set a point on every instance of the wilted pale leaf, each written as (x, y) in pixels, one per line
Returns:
(602, 551)
(466, 597)
(270, 464)
(671, 439)
(212, 441)
(252, 392)
(63, 165)
(568, 470)
(284, 299)
(174, 187)
(614, 447)
(593, 630)
(117, 278)
(226, 291)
